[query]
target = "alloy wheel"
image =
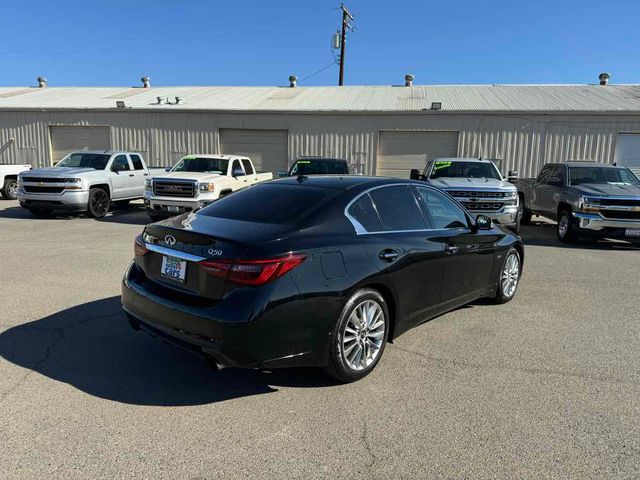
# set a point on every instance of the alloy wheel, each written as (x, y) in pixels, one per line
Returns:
(100, 203)
(363, 335)
(563, 226)
(510, 275)
(12, 190)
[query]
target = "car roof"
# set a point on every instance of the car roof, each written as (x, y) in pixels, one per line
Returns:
(321, 159)
(215, 155)
(460, 159)
(589, 164)
(342, 182)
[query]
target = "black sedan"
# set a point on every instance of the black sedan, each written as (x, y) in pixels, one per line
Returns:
(320, 271)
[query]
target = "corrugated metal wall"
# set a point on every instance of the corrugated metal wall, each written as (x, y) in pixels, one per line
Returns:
(523, 142)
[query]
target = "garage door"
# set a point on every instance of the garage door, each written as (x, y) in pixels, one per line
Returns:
(65, 140)
(399, 152)
(267, 148)
(628, 151)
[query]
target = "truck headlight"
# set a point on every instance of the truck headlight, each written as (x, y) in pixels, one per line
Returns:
(205, 187)
(511, 194)
(589, 204)
(147, 184)
(73, 183)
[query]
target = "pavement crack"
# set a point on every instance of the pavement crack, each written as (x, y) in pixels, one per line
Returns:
(367, 447)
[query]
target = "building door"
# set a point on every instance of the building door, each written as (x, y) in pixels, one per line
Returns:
(67, 139)
(399, 152)
(266, 148)
(628, 151)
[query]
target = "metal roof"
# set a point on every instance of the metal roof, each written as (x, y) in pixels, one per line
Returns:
(454, 98)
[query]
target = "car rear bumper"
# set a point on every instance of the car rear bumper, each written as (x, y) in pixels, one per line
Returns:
(230, 331)
(592, 222)
(67, 200)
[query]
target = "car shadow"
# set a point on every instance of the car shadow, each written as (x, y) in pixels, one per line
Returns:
(543, 234)
(92, 348)
(132, 215)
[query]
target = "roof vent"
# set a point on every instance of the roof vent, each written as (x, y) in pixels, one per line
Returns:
(146, 82)
(604, 78)
(178, 100)
(408, 80)
(160, 100)
(42, 82)
(293, 81)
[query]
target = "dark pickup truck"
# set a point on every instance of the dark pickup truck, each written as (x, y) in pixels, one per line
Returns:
(317, 166)
(585, 198)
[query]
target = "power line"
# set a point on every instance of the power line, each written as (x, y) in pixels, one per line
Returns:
(316, 73)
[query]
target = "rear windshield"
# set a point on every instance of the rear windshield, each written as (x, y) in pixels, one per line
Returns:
(464, 170)
(279, 204)
(200, 164)
(616, 176)
(97, 161)
(319, 167)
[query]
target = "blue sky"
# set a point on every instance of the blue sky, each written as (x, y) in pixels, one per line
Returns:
(262, 42)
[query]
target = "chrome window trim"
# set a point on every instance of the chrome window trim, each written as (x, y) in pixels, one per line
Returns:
(360, 230)
(173, 253)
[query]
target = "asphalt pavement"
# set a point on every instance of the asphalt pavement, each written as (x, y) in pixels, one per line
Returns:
(547, 385)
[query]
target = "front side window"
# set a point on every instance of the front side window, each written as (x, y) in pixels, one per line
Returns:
(236, 168)
(545, 173)
(363, 212)
(441, 210)
(397, 208)
(248, 168)
(137, 162)
(202, 165)
(120, 164)
(97, 161)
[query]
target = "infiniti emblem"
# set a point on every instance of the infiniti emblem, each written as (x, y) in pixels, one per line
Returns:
(170, 240)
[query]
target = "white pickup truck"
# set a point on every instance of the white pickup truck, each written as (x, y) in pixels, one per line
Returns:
(9, 180)
(196, 181)
(84, 181)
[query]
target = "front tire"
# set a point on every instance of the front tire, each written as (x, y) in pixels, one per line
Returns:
(523, 213)
(509, 276)
(566, 229)
(360, 336)
(10, 189)
(99, 202)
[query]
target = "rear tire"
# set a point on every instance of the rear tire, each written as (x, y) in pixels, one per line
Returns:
(40, 212)
(509, 277)
(99, 202)
(357, 344)
(566, 228)
(10, 189)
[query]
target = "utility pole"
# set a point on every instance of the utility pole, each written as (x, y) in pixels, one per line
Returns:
(346, 16)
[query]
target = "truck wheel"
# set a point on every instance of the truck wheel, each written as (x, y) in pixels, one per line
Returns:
(523, 213)
(10, 189)
(567, 230)
(98, 204)
(40, 212)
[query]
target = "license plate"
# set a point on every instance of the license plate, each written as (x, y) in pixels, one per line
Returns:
(174, 268)
(632, 232)
(172, 209)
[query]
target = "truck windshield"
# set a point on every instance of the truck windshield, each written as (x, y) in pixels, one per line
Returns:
(443, 168)
(319, 167)
(97, 161)
(202, 164)
(620, 176)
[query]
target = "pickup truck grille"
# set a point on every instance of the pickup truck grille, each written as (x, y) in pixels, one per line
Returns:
(484, 206)
(34, 189)
(620, 202)
(43, 179)
(620, 214)
(174, 188)
(475, 194)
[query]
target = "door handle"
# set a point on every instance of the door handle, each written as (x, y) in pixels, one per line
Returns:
(145, 174)
(388, 255)
(131, 175)
(451, 248)
(473, 247)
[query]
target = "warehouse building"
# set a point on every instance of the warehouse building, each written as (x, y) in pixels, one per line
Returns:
(384, 130)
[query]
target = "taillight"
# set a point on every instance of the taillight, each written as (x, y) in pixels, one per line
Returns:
(252, 272)
(139, 247)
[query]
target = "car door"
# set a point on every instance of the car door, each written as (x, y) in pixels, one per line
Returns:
(393, 230)
(539, 188)
(549, 191)
(250, 174)
(140, 174)
(470, 252)
(121, 177)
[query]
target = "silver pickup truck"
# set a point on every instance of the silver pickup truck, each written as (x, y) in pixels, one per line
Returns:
(478, 185)
(586, 198)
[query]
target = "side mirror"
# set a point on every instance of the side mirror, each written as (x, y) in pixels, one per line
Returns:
(483, 222)
(116, 168)
(167, 169)
(238, 172)
(512, 176)
(414, 174)
(282, 173)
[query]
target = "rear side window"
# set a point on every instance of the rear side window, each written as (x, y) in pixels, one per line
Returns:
(247, 167)
(279, 204)
(137, 162)
(397, 208)
(365, 214)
